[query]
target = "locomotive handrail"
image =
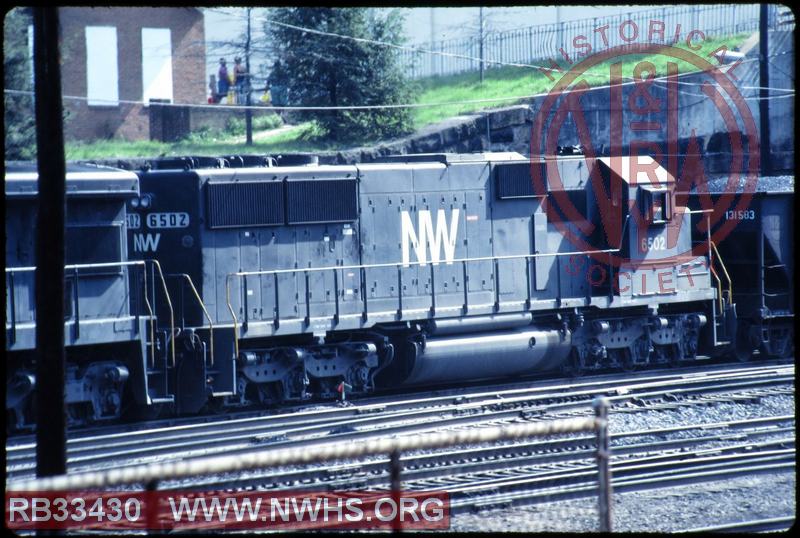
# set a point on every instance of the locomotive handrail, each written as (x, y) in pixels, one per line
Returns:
(26, 269)
(363, 268)
(130, 263)
(233, 316)
(399, 266)
(152, 323)
(420, 263)
(725, 271)
(719, 286)
(205, 311)
(169, 305)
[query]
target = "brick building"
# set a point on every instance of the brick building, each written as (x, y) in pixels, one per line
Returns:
(111, 55)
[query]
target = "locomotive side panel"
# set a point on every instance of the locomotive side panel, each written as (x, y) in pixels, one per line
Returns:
(20, 252)
(106, 323)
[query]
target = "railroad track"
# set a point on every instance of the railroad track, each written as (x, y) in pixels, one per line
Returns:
(396, 399)
(757, 525)
(410, 415)
(421, 471)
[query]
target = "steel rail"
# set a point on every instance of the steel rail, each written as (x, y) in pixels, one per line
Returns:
(754, 525)
(312, 435)
(402, 420)
(608, 382)
(384, 402)
(545, 394)
(144, 474)
(421, 466)
(588, 489)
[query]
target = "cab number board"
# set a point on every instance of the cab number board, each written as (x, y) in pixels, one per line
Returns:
(167, 220)
(134, 221)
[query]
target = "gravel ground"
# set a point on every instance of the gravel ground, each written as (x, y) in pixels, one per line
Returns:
(666, 510)
(767, 406)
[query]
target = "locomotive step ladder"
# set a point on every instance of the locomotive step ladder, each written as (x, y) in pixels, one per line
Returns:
(775, 301)
(724, 307)
(204, 332)
(160, 343)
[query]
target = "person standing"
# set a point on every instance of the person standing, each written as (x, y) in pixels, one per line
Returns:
(277, 83)
(212, 86)
(240, 80)
(223, 81)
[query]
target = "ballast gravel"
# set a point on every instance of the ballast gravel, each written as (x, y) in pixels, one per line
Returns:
(672, 509)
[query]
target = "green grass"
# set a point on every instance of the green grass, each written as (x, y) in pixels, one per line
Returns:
(299, 138)
(517, 81)
(499, 82)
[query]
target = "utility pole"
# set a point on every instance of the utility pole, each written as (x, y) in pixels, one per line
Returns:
(248, 114)
(763, 81)
(433, 39)
(480, 29)
(559, 36)
(51, 436)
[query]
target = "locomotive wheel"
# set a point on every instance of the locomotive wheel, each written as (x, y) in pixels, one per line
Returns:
(146, 413)
(628, 364)
(675, 359)
(744, 347)
(573, 367)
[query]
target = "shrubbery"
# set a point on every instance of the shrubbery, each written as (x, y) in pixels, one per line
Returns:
(19, 114)
(236, 125)
(324, 70)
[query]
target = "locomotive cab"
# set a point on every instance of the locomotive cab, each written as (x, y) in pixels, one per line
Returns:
(105, 318)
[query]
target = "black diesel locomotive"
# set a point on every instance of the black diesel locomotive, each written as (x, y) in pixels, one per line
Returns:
(261, 281)
(109, 299)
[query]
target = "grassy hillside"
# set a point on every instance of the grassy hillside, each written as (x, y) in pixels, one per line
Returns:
(517, 81)
(499, 82)
(295, 139)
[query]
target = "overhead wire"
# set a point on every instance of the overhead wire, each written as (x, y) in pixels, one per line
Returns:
(628, 80)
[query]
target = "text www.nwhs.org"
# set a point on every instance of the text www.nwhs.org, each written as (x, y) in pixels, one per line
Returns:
(160, 510)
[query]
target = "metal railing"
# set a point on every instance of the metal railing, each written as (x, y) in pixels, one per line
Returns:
(543, 41)
(186, 278)
(150, 476)
(724, 271)
(74, 271)
(362, 269)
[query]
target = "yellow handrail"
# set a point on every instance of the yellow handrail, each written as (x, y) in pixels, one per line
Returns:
(169, 305)
(724, 270)
(152, 322)
(233, 315)
(719, 287)
(205, 311)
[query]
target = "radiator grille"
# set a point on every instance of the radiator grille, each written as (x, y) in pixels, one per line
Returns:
(245, 204)
(514, 180)
(316, 201)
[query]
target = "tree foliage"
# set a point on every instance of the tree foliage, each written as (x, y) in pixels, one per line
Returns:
(20, 122)
(322, 70)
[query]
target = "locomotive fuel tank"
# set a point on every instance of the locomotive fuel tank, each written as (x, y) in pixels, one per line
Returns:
(486, 355)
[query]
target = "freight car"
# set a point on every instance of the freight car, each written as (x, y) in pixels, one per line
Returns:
(758, 263)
